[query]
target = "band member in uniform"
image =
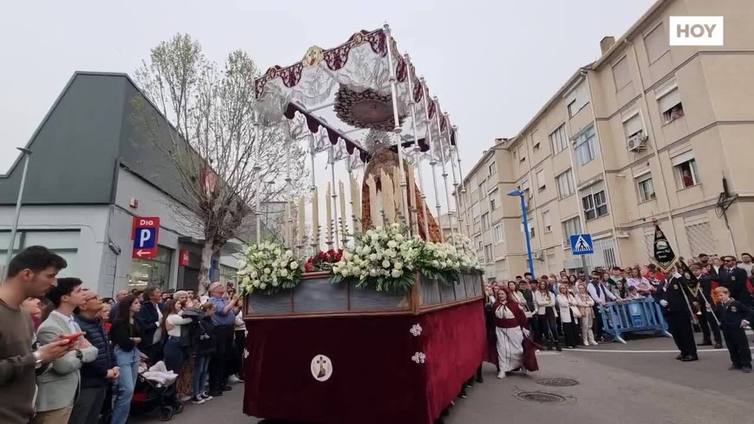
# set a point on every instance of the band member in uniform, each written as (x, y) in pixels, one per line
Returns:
(674, 297)
(703, 299)
(734, 317)
(734, 279)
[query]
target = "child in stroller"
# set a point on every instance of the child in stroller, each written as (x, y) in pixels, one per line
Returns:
(155, 388)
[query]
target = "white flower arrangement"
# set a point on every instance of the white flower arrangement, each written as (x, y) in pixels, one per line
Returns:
(419, 357)
(268, 268)
(416, 330)
(383, 258)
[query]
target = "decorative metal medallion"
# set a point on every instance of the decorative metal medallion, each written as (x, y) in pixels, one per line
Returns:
(321, 368)
(366, 109)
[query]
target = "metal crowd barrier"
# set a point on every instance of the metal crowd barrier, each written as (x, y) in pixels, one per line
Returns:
(638, 315)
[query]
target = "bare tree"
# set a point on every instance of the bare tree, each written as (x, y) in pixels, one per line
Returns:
(224, 156)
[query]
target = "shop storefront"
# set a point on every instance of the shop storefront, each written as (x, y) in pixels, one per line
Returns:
(151, 272)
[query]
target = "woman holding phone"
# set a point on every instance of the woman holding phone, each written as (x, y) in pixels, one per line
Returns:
(125, 336)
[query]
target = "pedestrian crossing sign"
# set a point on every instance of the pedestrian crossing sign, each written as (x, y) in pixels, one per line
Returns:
(581, 244)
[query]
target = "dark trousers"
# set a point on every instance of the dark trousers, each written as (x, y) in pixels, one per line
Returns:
(239, 344)
(570, 334)
(548, 327)
(597, 322)
(708, 325)
(738, 347)
(175, 354)
(534, 328)
(223, 352)
(683, 334)
(88, 405)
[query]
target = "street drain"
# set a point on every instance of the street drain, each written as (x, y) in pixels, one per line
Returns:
(541, 397)
(557, 382)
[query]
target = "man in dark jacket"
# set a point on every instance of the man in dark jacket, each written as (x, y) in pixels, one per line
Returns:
(734, 317)
(675, 297)
(734, 279)
(703, 300)
(149, 319)
(98, 375)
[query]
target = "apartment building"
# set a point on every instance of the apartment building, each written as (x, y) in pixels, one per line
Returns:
(647, 131)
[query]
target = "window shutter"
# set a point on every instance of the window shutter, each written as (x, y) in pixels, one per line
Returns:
(621, 74)
(669, 100)
(632, 125)
(683, 157)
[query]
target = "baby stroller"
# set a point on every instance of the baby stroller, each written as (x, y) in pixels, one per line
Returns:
(155, 388)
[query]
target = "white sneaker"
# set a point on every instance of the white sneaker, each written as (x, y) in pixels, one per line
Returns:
(184, 398)
(523, 371)
(197, 401)
(501, 375)
(233, 380)
(595, 343)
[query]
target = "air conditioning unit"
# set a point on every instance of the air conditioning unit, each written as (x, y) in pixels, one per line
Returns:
(637, 142)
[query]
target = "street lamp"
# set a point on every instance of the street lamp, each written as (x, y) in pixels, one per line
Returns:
(26, 153)
(513, 193)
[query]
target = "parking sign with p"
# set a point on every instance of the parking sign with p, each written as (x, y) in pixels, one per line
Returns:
(145, 233)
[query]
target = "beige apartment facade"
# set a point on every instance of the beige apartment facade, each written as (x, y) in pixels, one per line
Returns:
(647, 131)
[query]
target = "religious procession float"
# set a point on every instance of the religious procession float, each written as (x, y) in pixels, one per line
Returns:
(383, 322)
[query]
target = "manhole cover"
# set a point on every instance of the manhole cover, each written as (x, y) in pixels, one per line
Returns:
(557, 382)
(541, 397)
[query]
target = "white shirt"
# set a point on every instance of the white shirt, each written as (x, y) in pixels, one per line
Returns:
(69, 319)
(564, 307)
(543, 301)
(602, 297)
(176, 321)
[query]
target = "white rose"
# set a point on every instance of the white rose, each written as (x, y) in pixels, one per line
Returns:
(262, 286)
(398, 265)
(386, 263)
(396, 273)
(275, 284)
(374, 272)
(392, 244)
(254, 274)
(294, 265)
(283, 272)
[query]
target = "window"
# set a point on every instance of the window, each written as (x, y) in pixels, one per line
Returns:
(536, 146)
(656, 42)
(492, 169)
(565, 184)
(485, 221)
(558, 139)
(584, 146)
(482, 190)
(670, 105)
(525, 188)
(577, 99)
(541, 179)
(570, 227)
(645, 187)
(521, 153)
(632, 126)
(621, 74)
(546, 221)
(493, 200)
(64, 243)
(594, 202)
(488, 254)
(497, 234)
(684, 166)
(478, 243)
(151, 272)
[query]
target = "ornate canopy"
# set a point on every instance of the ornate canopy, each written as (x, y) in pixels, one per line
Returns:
(346, 91)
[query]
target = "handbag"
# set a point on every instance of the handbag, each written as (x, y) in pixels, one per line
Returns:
(576, 312)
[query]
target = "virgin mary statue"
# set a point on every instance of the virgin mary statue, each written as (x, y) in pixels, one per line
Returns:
(384, 159)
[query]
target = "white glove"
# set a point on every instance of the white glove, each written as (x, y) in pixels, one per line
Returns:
(664, 303)
(744, 323)
(677, 275)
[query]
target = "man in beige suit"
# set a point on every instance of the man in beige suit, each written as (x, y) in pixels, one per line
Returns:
(59, 386)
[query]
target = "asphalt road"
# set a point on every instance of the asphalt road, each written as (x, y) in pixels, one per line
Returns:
(637, 383)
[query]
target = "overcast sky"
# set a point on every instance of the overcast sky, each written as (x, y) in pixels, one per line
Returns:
(492, 64)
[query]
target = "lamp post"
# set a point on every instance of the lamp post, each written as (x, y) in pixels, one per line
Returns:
(525, 220)
(14, 229)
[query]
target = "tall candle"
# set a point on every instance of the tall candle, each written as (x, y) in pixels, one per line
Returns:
(388, 203)
(315, 217)
(301, 215)
(328, 212)
(287, 225)
(374, 202)
(342, 194)
(398, 195)
(413, 210)
(355, 201)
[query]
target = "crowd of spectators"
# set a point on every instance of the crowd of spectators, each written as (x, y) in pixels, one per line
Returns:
(564, 309)
(69, 355)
